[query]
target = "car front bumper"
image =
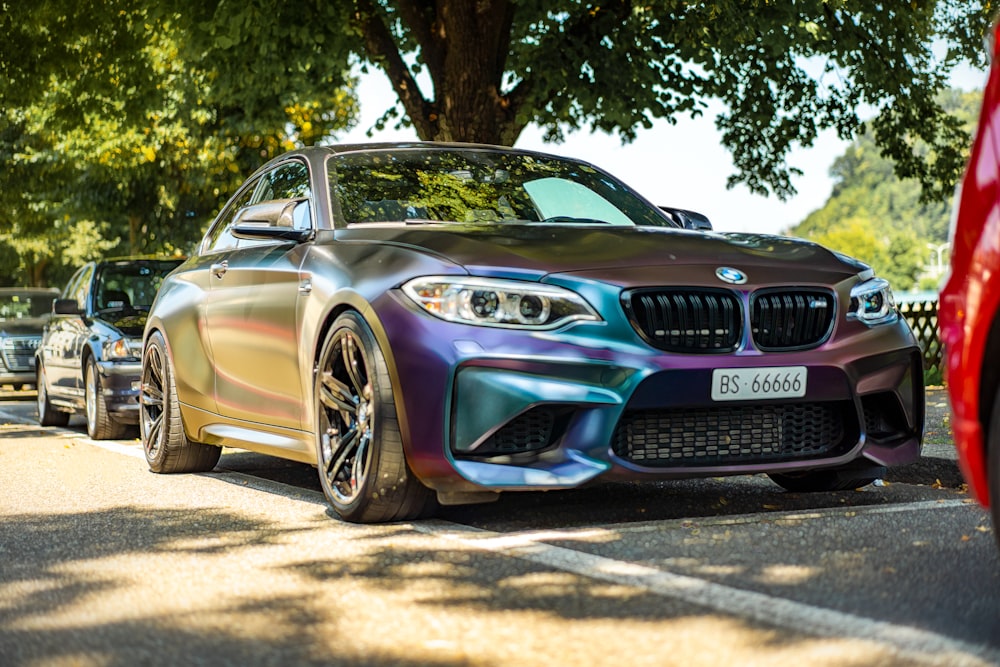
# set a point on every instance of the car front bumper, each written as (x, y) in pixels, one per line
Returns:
(544, 411)
(120, 387)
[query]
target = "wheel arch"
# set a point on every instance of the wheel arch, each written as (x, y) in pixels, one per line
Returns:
(147, 335)
(86, 354)
(989, 378)
(354, 302)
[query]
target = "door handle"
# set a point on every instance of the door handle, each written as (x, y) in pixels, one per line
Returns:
(218, 270)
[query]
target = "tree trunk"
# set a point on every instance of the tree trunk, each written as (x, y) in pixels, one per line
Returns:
(464, 44)
(134, 225)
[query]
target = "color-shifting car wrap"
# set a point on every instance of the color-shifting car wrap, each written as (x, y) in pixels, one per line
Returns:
(439, 323)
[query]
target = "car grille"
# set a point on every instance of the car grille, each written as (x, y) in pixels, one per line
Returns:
(19, 353)
(790, 320)
(687, 320)
(731, 435)
(711, 320)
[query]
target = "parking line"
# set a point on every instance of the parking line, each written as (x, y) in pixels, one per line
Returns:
(794, 515)
(911, 644)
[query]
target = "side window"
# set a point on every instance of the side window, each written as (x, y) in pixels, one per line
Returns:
(219, 238)
(81, 289)
(289, 181)
(67, 292)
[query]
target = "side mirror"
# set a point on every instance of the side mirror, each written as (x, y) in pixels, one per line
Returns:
(688, 219)
(270, 220)
(65, 307)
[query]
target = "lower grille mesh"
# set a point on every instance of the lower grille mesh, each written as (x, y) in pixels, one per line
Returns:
(731, 435)
(531, 431)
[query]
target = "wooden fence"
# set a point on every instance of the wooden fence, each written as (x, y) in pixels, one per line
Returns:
(921, 312)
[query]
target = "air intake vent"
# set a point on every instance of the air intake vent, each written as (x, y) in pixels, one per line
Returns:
(531, 431)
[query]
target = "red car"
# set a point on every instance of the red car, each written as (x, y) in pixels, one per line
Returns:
(968, 312)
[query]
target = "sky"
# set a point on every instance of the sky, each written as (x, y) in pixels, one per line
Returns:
(682, 165)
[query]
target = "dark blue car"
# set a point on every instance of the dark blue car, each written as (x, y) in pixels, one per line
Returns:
(91, 350)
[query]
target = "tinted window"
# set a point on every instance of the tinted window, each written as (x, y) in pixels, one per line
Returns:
(25, 305)
(130, 285)
(288, 181)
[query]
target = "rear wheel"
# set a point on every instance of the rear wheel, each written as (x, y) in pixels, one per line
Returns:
(362, 468)
(100, 424)
(993, 465)
(167, 448)
(47, 415)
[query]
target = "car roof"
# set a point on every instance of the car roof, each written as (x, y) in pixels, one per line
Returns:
(29, 290)
(313, 152)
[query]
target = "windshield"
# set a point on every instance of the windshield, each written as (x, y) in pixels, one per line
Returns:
(130, 285)
(26, 305)
(420, 185)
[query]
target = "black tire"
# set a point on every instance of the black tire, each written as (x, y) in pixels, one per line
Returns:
(47, 414)
(815, 481)
(100, 424)
(167, 447)
(362, 468)
(993, 465)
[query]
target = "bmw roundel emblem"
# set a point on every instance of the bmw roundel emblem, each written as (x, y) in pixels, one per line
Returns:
(731, 275)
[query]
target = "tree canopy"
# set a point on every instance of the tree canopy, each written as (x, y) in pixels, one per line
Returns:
(116, 140)
(482, 70)
(126, 120)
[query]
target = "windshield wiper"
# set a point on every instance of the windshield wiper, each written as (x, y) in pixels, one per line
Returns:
(576, 221)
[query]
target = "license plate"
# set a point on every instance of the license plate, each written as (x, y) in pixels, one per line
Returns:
(754, 384)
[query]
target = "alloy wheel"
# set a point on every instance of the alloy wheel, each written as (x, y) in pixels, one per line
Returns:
(90, 395)
(151, 402)
(346, 397)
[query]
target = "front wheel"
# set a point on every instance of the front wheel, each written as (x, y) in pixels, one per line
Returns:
(100, 424)
(362, 468)
(167, 447)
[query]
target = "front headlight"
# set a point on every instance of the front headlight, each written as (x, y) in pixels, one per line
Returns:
(872, 303)
(121, 348)
(498, 303)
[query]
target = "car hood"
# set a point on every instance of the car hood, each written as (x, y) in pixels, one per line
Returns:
(130, 324)
(22, 326)
(626, 256)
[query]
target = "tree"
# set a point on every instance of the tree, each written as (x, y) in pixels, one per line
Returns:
(879, 218)
(151, 108)
(895, 254)
(481, 70)
(117, 145)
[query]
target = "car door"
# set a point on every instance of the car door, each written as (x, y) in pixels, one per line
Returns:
(64, 339)
(251, 314)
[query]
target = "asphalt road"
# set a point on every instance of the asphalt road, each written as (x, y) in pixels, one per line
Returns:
(103, 563)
